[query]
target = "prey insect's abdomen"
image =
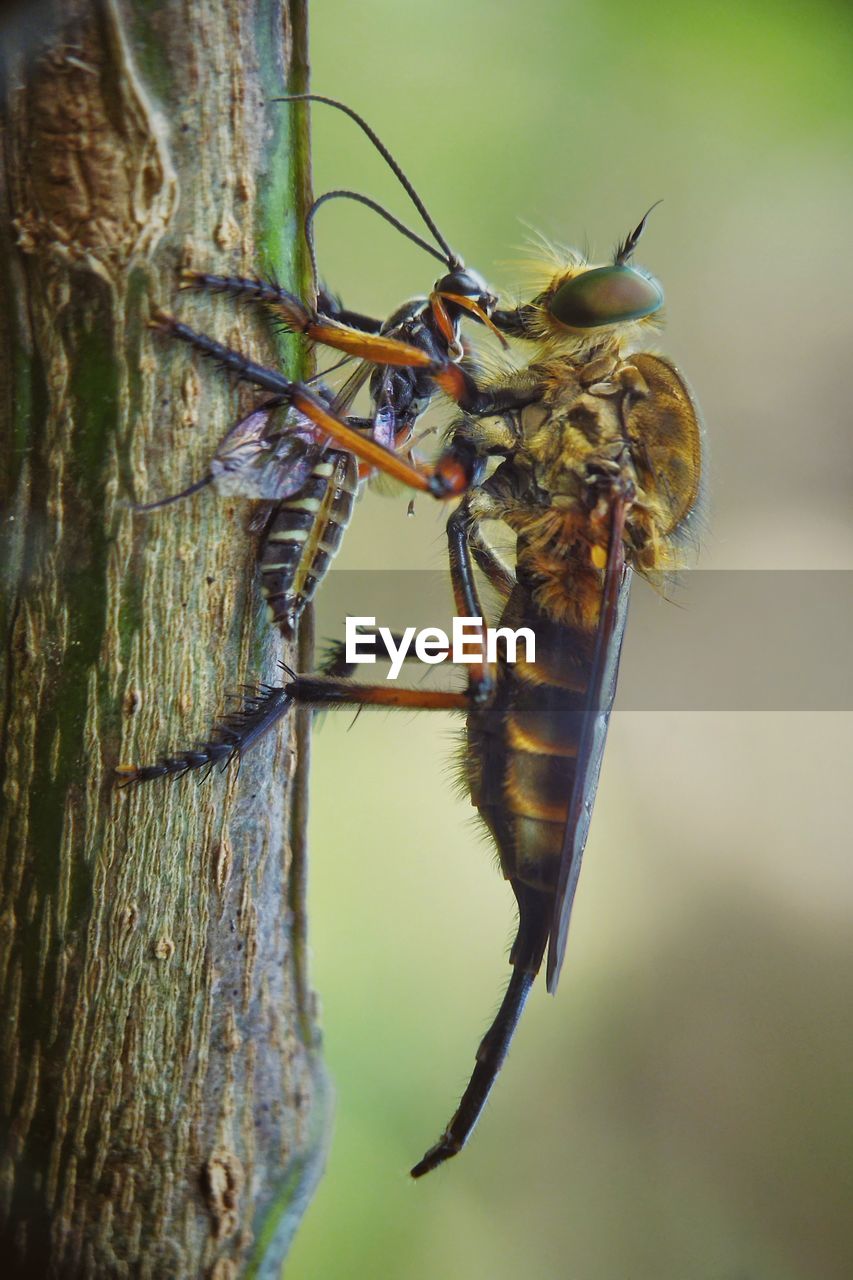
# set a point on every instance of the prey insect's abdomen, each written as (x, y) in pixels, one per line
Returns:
(303, 537)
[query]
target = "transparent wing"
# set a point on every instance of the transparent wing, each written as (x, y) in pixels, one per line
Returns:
(351, 387)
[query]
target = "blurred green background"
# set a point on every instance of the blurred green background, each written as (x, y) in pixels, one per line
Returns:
(683, 1110)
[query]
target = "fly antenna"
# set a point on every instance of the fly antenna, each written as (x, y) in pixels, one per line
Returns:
(452, 259)
(629, 244)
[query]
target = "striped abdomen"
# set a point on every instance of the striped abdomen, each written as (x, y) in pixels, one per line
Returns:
(526, 745)
(304, 535)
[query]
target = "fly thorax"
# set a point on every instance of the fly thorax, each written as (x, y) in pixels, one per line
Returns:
(555, 567)
(566, 431)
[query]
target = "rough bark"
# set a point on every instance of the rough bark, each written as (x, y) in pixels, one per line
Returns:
(160, 1089)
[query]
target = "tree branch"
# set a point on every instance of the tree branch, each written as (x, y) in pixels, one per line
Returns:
(162, 1098)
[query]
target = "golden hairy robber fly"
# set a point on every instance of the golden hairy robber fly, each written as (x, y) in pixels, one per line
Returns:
(598, 448)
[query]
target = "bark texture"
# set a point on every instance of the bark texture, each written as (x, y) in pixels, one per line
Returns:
(161, 1096)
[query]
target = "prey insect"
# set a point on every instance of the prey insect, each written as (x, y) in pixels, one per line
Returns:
(282, 455)
(599, 447)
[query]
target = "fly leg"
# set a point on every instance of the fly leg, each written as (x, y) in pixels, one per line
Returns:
(261, 711)
(235, 734)
(491, 501)
(499, 575)
(481, 675)
(335, 661)
(322, 691)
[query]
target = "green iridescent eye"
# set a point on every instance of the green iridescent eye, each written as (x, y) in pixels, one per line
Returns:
(605, 295)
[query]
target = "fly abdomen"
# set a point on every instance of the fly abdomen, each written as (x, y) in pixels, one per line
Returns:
(304, 535)
(529, 753)
(540, 748)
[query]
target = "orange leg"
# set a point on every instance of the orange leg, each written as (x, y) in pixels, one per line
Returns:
(308, 403)
(454, 471)
(354, 342)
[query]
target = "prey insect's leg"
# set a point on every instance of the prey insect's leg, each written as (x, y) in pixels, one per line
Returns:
(266, 292)
(372, 346)
(228, 359)
(304, 400)
(269, 294)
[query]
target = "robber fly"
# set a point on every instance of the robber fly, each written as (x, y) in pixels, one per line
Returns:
(599, 475)
(276, 453)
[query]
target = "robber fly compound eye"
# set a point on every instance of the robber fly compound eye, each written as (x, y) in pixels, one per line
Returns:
(605, 296)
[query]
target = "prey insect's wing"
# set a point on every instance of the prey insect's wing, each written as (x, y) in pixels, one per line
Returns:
(258, 459)
(351, 387)
(601, 690)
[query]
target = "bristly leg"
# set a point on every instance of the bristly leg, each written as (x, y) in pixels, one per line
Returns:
(334, 660)
(228, 360)
(300, 396)
(234, 735)
(260, 712)
(267, 292)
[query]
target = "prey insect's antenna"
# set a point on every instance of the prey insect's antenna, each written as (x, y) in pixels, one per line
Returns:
(452, 258)
(175, 497)
(629, 244)
(377, 208)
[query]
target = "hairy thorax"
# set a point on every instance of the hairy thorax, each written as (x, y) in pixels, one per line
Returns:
(599, 431)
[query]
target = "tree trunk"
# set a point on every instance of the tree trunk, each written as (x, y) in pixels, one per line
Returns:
(162, 1099)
